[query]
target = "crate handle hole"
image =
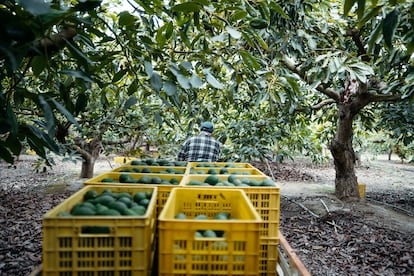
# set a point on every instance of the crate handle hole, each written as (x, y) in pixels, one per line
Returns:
(95, 230)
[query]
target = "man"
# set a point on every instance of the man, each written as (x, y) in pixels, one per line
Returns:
(201, 148)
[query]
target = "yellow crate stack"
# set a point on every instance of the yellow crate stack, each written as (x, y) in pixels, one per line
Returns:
(264, 200)
(92, 245)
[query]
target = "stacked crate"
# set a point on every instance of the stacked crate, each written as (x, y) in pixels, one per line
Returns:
(66, 248)
(230, 248)
(265, 199)
(91, 244)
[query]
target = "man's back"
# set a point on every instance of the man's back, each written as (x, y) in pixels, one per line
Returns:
(201, 148)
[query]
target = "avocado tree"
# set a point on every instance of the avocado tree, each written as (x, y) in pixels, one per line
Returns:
(251, 67)
(61, 81)
(368, 61)
(345, 57)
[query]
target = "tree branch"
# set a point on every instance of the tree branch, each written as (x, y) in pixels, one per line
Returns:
(54, 43)
(323, 103)
(334, 95)
(355, 34)
(384, 98)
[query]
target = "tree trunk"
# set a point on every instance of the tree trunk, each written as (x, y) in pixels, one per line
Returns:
(346, 184)
(89, 152)
(88, 165)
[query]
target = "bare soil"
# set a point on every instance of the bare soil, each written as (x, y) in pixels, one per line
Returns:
(331, 237)
(371, 237)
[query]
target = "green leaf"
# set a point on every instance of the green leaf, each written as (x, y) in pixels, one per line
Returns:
(348, 4)
(158, 118)
(126, 19)
(12, 120)
(187, 7)
(48, 114)
(388, 27)
(213, 81)
(160, 37)
(148, 68)
(374, 38)
(118, 75)
(183, 81)
(66, 113)
(130, 102)
(170, 88)
(77, 74)
(14, 144)
(196, 81)
(249, 60)
(35, 7)
(186, 65)
(261, 41)
(368, 16)
(39, 63)
(277, 8)
(77, 53)
(38, 140)
(239, 14)
(361, 8)
(81, 103)
(87, 5)
(53, 17)
(156, 81)
(249, 40)
(5, 154)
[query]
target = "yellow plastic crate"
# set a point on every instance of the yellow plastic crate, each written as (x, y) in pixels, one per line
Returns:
(182, 253)
(152, 169)
(126, 247)
(268, 256)
(266, 201)
(220, 165)
(238, 171)
(136, 176)
(163, 189)
(361, 190)
(123, 159)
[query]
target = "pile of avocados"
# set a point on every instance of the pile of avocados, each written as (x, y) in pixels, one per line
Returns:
(208, 233)
(144, 179)
(110, 203)
(157, 162)
(232, 181)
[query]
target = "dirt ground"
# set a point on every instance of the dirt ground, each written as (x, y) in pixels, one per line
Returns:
(380, 175)
(331, 237)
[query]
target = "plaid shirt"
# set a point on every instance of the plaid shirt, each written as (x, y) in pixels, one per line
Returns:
(201, 148)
